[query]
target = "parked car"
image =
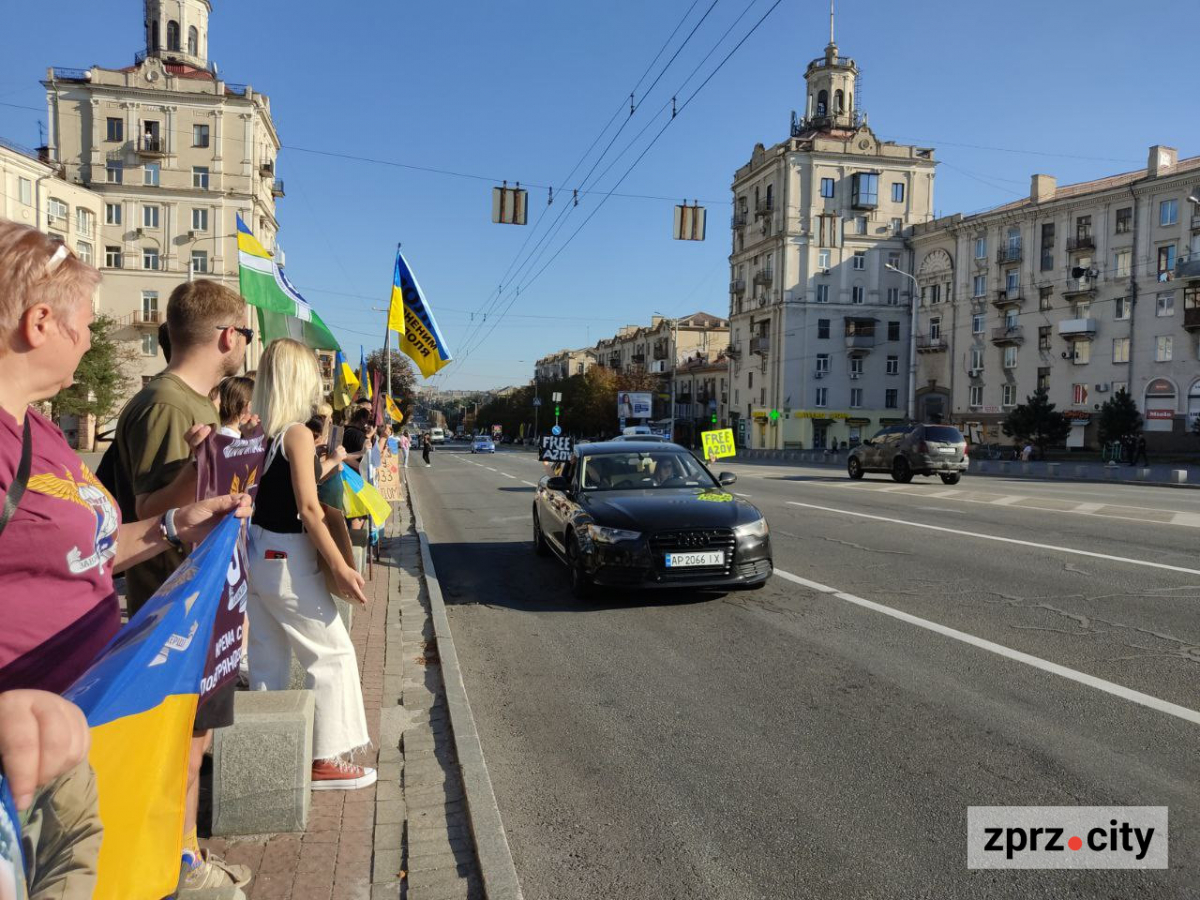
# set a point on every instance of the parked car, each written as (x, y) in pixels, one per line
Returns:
(631, 515)
(908, 450)
(483, 444)
(651, 438)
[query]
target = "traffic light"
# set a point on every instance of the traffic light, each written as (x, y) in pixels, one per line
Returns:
(714, 418)
(557, 410)
(774, 415)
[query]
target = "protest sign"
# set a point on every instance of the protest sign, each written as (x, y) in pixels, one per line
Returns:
(556, 448)
(718, 444)
(387, 479)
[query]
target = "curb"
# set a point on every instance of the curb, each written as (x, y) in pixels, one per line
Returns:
(496, 865)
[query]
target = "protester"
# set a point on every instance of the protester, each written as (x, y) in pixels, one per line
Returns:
(354, 439)
(1140, 452)
(291, 609)
(232, 397)
(65, 539)
(426, 448)
(1027, 452)
(154, 472)
(405, 446)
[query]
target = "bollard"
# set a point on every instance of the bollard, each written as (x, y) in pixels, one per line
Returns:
(1081, 471)
(1142, 475)
(1026, 468)
(1179, 476)
(1052, 470)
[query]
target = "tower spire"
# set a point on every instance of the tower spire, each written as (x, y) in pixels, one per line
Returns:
(831, 21)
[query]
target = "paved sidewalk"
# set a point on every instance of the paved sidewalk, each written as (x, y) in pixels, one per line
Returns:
(407, 836)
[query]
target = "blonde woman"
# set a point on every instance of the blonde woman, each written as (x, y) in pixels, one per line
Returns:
(290, 607)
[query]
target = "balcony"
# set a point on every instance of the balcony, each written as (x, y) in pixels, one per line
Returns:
(1009, 254)
(1188, 266)
(639, 359)
(928, 344)
(151, 147)
(267, 170)
(1007, 297)
(277, 188)
(1076, 286)
(147, 318)
(860, 341)
(660, 352)
(684, 398)
(1085, 241)
(1191, 319)
(737, 286)
(1077, 329)
(1007, 335)
(733, 351)
(761, 344)
(764, 207)
(739, 219)
(764, 277)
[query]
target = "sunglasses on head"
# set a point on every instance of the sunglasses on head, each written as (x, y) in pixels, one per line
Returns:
(247, 333)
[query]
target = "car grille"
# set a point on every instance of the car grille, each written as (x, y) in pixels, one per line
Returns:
(664, 542)
(754, 568)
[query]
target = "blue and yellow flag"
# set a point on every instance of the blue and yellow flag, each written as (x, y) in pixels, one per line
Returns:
(410, 315)
(364, 376)
(362, 499)
(393, 410)
(140, 698)
(345, 382)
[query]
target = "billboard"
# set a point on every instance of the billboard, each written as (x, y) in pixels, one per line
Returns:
(634, 405)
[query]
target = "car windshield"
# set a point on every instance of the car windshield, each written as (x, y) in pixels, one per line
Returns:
(943, 434)
(646, 470)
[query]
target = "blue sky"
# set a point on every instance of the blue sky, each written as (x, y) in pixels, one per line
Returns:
(519, 90)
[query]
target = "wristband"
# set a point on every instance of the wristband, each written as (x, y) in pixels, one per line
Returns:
(167, 526)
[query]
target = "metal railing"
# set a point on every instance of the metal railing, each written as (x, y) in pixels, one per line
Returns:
(61, 73)
(1086, 241)
(1008, 334)
(1009, 254)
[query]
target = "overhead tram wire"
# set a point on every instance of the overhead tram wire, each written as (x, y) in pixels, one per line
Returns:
(640, 157)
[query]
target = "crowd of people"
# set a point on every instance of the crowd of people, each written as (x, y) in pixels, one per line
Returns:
(64, 535)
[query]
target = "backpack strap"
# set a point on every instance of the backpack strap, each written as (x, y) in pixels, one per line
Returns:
(17, 490)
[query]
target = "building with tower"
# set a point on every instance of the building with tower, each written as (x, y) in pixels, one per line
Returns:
(176, 153)
(820, 326)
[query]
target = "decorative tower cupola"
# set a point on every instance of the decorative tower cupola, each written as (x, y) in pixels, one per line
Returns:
(177, 31)
(831, 81)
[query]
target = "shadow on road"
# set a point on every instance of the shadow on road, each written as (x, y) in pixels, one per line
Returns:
(517, 490)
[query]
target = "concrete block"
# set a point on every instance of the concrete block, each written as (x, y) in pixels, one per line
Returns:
(1081, 471)
(1026, 468)
(1003, 466)
(262, 765)
(1052, 470)
(1179, 476)
(1111, 472)
(979, 465)
(1142, 474)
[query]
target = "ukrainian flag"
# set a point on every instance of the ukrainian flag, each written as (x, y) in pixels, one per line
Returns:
(345, 382)
(392, 409)
(361, 499)
(364, 376)
(410, 315)
(140, 698)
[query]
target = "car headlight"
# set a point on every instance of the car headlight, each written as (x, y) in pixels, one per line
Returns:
(604, 535)
(757, 529)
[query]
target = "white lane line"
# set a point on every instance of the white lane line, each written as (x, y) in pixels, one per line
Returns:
(1006, 501)
(489, 468)
(1184, 518)
(1088, 507)
(1117, 690)
(1003, 540)
(506, 475)
(747, 496)
(530, 483)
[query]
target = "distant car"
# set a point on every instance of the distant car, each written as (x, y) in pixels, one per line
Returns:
(637, 429)
(644, 438)
(483, 444)
(648, 515)
(908, 450)
(437, 436)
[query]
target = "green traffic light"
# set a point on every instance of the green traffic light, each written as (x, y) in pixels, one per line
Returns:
(774, 415)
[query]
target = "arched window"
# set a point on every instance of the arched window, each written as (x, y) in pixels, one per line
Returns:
(193, 41)
(155, 44)
(822, 103)
(839, 100)
(172, 35)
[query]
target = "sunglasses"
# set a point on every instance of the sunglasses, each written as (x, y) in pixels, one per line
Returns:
(247, 333)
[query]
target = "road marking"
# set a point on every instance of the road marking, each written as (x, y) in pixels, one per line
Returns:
(1003, 540)
(489, 468)
(747, 496)
(1184, 518)
(1088, 507)
(1117, 690)
(506, 475)
(1006, 501)
(530, 483)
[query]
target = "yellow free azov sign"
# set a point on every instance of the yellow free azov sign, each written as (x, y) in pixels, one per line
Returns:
(718, 444)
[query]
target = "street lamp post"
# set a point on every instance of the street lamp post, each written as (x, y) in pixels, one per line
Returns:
(912, 343)
(674, 363)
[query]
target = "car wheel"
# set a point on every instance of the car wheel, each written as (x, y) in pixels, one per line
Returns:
(902, 471)
(854, 468)
(540, 547)
(581, 583)
(951, 478)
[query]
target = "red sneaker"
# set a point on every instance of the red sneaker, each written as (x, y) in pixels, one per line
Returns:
(335, 776)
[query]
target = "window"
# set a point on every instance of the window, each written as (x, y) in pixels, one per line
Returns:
(897, 191)
(116, 130)
(26, 189)
(1165, 304)
(1125, 220)
(200, 177)
(856, 398)
(1010, 357)
(1009, 395)
(981, 247)
(150, 344)
(85, 222)
(893, 331)
(822, 397)
(1043, 337)
(1168, 212)
(199, 219)
(893, 296)
(56, 210)
(112, 257)
(893, 259)
(931, 294)
(150, 258)
(1047, 246)
(860, 260)
(1082, 354)
(1045, 295)
(935, 328)
(827, 231)
(977, 321)
(200, 261)
(976, 396)
(750, 377)
(1081, 309)
(84, 251)
(858, 294)
(822, 362)
(1083, 228)
(822, 329)
(1120, 350)
(1121, 308)
(172, 35)
(891, 398)
(150, 216)
(856, 365)
(979, 286)
(149, 306)
(977, 358)
(1166, 260)
(1162, 348)
(822, 293)
(1012, 280)
(823, 259)
(893, 365)
(865, 191)
(826, 187)
(193, 46)
(114, 171)
(200, 135)
(1010, 320)
(897, 225)
(860, 224)
(1043, 381)
(152, 175)
(1121, 263)
(112, 213)
(1079, 394)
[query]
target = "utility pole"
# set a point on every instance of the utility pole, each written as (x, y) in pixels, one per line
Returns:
(912, 344)
(674, 363)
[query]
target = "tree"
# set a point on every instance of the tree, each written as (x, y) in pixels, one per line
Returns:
(105, 377)
(404, 378)
(1038, 421)
(1119, 418)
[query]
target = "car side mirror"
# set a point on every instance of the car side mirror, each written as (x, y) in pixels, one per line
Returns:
(867, 442)
(557, 483)
(726, 478)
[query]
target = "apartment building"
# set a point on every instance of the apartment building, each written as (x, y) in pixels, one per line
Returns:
(1082, 289)
(701, 392)
(563, 364)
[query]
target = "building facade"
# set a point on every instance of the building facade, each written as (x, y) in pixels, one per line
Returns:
(820, 324)
(701, 394)
(1083, 290)
(563, 364)
(176, 153)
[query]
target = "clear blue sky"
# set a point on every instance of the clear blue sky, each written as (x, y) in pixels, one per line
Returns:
(519, 90)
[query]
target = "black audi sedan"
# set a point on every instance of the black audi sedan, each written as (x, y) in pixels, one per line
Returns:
(624, 514)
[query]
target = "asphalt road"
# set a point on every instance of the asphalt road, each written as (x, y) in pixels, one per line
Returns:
(922, 649)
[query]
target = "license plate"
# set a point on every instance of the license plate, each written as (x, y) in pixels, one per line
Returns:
(947, 450)
(684, 560)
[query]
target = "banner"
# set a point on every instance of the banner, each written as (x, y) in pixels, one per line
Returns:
(718, 444)
(410, 315)
(631, 405)
(556, 449)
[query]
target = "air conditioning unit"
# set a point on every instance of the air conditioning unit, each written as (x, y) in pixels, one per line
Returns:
(855, 376)
(1103, 387)
(191, 235)
(818, 374)
(975, 373)
(141, 232)
(824, 271)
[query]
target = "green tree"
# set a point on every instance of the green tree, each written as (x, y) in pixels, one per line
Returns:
(1119, 418)
(404, 377)
(1038, 421)
(105, 377)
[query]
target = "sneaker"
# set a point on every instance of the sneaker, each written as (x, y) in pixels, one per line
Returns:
(211, 872)
(334, 776)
